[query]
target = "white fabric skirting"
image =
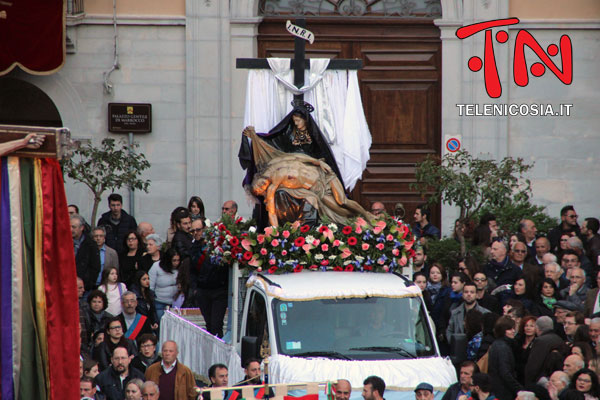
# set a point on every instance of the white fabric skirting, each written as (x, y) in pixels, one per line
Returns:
(397, 374)
(198, 349)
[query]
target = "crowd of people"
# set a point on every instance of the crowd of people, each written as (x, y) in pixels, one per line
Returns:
(525, 321)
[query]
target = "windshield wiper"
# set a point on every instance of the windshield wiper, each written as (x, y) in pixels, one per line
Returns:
(398, 350)
(329, 354)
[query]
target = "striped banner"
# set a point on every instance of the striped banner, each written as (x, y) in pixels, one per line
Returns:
(39, 318)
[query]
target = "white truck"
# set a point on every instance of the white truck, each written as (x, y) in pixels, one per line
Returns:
(321, 326)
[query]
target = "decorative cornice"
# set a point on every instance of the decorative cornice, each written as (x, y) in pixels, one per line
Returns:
(557, 24)
(101, 19)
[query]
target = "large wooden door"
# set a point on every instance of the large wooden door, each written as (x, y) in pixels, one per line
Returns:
(401, 92)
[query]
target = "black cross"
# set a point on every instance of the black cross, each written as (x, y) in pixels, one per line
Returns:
(298, 63)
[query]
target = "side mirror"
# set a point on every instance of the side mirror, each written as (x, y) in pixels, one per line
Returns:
(250, 348)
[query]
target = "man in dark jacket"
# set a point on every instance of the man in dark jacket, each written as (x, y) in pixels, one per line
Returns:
(182, 239)
(117, 223)
(568, 224)
(465, 380)
(213, 281)
(87, 257)
(112, 380)
(500, 269)
(547, 350)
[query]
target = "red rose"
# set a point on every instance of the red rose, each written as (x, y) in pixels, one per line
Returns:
(313, 267)
(298, 268)
(338, 268)
(325, 262)
(272, 270)
(299, 242)
(248, 255)
(352, 241)
(347, 230)
(304, 228)
(349, 268)
(405, 232)
(368, 268)
(234, 241)
(323, 229)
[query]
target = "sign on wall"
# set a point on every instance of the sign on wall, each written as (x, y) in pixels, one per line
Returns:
(129, 117)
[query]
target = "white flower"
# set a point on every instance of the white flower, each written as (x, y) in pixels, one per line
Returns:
(252, 229)
(332, 257)
(309, 239)
(347, 262)
(360, 259)
(228, 237)
(227, 253)
(333, 227)
(319, 257)
(207, 222)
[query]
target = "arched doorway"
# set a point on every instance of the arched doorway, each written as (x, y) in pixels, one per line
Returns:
(22, 103)
(401, 82)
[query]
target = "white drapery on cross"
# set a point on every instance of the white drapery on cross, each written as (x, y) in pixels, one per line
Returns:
(338, 109)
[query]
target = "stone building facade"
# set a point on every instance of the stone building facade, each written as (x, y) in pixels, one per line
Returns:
(180, 57)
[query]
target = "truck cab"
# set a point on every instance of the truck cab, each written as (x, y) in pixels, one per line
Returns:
(318, 326)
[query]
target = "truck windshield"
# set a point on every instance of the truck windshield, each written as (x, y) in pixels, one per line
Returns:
(357, 328)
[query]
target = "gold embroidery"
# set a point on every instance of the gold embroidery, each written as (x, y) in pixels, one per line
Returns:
(301, 137)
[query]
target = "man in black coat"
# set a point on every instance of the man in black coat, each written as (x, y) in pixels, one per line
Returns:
(547, 351)
(500, 270)
(182, 239)
(87, 257)
(465, 380)
(117, 223)
(113, 380)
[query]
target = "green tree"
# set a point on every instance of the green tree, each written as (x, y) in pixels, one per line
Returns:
(112, 165)
(471, 184)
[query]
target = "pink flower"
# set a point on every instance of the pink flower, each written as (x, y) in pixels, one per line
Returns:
(272, 261)
(379, 246)
(259, 269)
(361, 222)
(246, 244)
(296, 225)
(307, 247)
(386, 268)
(268, 231)
(260, 238)
(395, 252)
(254, 263)
(263, 251)
(316, 242)
(274, 242)
(409, 245)
(346, 253)
(358, 229)
(389, 237)
(285, 234)
(324, 247)
(365, 246)
(379, 227)
(336, 243)
(284, 252)
(403, 261)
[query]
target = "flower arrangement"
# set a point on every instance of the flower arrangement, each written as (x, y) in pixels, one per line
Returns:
(223, 238)
(382, 245)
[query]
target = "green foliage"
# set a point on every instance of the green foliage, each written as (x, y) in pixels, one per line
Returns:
(109, 166)
(470, 183)
(508, 217)
(447, 252)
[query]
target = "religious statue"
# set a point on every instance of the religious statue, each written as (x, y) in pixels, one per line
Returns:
(301, 177)
(296, 133)
(31, 141)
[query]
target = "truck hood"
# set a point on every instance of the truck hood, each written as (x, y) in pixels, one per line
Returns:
(397, 374)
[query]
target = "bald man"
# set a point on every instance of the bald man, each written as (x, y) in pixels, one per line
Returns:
(175, 380)
(343, 389)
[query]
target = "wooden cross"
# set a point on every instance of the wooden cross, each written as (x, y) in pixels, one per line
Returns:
(298, 63)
